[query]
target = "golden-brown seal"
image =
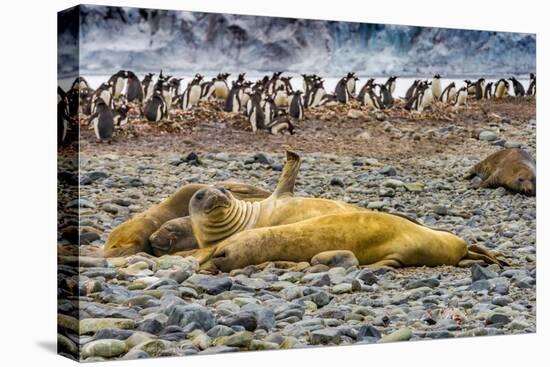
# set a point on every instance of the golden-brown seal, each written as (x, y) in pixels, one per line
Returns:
(513, 169)
(133, 235)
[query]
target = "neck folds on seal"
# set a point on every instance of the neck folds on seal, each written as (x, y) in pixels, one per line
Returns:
(211, 229)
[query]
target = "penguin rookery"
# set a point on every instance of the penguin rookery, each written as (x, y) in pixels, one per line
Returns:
(231, 183)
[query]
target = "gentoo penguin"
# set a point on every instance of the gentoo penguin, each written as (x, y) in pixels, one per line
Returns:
(488, 93)
(372, 100)
(501, 88)
(422, 98)
(240, 78)
(532, 89)
(412, 90)
(233, 102)
(461, 97)
(192, 93)
(329, 99)
(436, 86)
(449, 93)
(256, 116)
(390, 84)
(147, 85)
(102, 121)
(368, 85)
(221, 90)
(104, 92)
(281, 97)
(63, 117)
(286, 83)
(280, 125)
(341, 91)
(385, 96)
(134, 91)
(246, 91)
(273, 83)
(120, 115)
(254, 97)
(156, 108)
(175, 98)
(519, 91)
(316, 94)
(480, 88)
(350, 84)
(307, 83)
(85, 98)
(470, 87)
(80, 83)
(118, 81)
(270, 110)
(207, 89)
(296, 107)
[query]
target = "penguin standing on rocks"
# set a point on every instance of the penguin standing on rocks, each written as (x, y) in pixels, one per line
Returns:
(287, 85)
(519, 91)
(386, 96)
(147, 84)
(316, 94)
(233, 102)
(221, 90)
(63, 116)
(532, 89)
(207, 89)
(461, 97)
(488, 93)
(351, 82)
(246, 91)
(118, 82)
(134, 91)
(436, 86)
(422, 99)
(341, 91)
(372, 100)
(368, 85)
(156, 108)
(480, 88)
(280, 125)
(391, 83)
(254, 97)
(270, 110)
(281, 97)
(296, 106)
(412, 90)
(501, 88)
(102, 92)
(102, 121)
(470, 87)
(449, 93)
(256, 116)
(192, 93)
(274, 83)
(120, 115)
(80, 83)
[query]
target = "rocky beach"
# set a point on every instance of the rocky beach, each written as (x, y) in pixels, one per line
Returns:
(143, 306)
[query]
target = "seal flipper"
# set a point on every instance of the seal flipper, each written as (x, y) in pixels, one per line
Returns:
(287, 180)
(476, 252)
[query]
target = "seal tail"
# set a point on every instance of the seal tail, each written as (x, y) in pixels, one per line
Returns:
(288, 177)
(476, 252)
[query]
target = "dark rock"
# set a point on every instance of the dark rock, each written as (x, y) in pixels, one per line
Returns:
(498, 319)
(184, 315)
(367, 276)
(430, 282)
(444, 334)
(151, 326)
(388, 171)
(479, 273)
(337, 181)
(244, 319)
(480, 285)
(368, 332)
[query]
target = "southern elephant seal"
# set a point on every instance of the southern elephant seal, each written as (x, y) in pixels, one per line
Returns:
(512, 168)
(133, 235)
(233, 234)
(173, 236)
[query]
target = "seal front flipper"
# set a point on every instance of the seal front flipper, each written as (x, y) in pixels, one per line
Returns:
(287, 180)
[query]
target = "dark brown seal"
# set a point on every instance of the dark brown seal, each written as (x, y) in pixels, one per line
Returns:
(513, 169)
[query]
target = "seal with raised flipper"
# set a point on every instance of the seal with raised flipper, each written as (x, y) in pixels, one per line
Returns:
(133, 235)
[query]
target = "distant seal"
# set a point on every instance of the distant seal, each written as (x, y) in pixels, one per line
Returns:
(133, 235)
(513, 169)
(234, 234)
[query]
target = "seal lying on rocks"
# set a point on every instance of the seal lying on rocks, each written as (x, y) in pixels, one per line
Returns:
(513, 169)
(133, 235)
(233, 234)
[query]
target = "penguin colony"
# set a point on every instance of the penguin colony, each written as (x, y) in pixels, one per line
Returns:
(269, 103)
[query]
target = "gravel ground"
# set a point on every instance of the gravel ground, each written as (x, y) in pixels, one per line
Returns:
(142, 306)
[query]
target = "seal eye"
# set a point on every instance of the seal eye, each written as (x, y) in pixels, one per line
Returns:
(223, 190)
(200, 195)
(521, 179)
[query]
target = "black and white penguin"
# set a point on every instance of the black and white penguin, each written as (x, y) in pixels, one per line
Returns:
(307, 82)
(85, 96)
(296, 106)
(351, 83)
(134, 91)
(148, 86)
(63, 116)
(233, 102)
(270, 110)
(532, 89)
(80, 83)
(316, 94)
(372, 100)
(254, 97)
(221, 90)
(155, 107)
(192, 93)
(386, 96)
(501, 88)
(422, 98)
(104, 92)
(286, 82)
(391, 83)
(461, 97)
(519, 91)
(436, 86)
(411, 91)
(488, 93)
(120, 115)
(368, 85)
(118, 82)
(102, 121)
(207, 89)
(341, 91)
(273, 83)
(256, 116)
(281, 97)
(280, 125)
(480, 88)
(449, 93)
(329, 99)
